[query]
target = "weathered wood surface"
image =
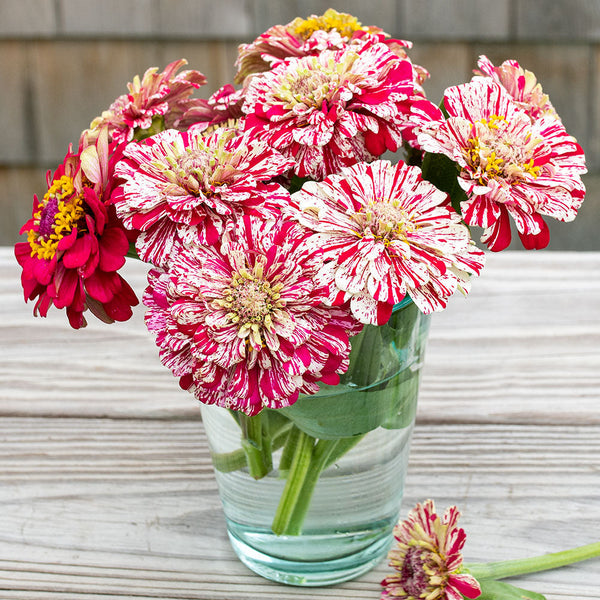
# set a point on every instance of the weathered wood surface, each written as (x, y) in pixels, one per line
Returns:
(106, 488)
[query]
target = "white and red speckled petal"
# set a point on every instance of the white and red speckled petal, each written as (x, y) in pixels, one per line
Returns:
(513, 161)
(385, 232)
(244, 322)
(427, 557)
(191, 187)
(335, 109)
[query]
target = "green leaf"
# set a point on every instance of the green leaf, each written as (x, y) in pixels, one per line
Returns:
(296, 183)
(380, 386)
(347, 415)
(443, 172)
(404, 413)
(500, 590)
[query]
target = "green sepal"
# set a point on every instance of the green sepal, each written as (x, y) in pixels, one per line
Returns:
(443, 172)
(157, 126)
(500, 590)
(296, 183)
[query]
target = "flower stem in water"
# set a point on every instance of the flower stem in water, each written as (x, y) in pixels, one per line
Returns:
(293, 486)
(256, 443)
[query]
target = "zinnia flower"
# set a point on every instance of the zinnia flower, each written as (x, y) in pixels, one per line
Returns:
(521, 84)
(508, 164)
(303, 37)
(164, 96)
(75, 244)
(337, 108)
(242, 322)
(186, 187)
(428, 558)
(385, 232)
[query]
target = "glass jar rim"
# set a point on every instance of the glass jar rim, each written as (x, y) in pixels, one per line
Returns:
(404, 302)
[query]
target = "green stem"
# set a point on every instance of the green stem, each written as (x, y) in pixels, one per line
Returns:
(303, 470)
(512, 568)
(256, 444)
(363, 371)
(343, 445)
(293, 485)
(226, 462)
(320, 457)
(287, 455)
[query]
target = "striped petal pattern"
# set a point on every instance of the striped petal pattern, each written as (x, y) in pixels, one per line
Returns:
(335, 109)
(164, 96)
(385, 233)
(428, 559)
(304, 37)
(242, 323)
(189, 188)
(510, 164)
(521, 84)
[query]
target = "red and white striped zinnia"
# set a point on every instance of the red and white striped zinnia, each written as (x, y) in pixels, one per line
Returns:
(509, 165)
(521, 84)
(186, 187)
(336, 109)
(385, 233)
(428, 559)
(242, 323)
(164, 96)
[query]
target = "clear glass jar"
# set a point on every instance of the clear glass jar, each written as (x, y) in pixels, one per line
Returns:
(311, 493)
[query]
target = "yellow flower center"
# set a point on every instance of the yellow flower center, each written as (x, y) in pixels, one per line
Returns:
(60, 211)
(493, 153)
(198, 170)
(251, 301)
(344, 23)
(310, 82)
(385, 220)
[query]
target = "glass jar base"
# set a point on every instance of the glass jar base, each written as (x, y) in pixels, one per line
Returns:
(312, 573)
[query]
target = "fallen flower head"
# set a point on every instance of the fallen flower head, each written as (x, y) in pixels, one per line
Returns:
(428, 559)
(429, 564)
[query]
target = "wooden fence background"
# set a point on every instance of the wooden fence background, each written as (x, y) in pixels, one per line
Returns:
(64, 61)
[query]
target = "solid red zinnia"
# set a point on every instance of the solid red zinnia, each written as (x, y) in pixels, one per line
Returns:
(75, 244)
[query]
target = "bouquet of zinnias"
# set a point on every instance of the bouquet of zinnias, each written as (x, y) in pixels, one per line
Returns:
(279, 239)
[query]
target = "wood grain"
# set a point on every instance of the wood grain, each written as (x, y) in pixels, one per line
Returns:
(129, 508)
(106, 486)
(525, 345)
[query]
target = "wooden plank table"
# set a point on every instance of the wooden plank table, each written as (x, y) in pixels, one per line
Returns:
(106, 487)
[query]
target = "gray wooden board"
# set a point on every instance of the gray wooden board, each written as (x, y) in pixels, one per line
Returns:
(106, 487)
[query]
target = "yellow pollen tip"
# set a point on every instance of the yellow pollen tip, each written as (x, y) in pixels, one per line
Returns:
(345, 24)
(493, 122)
(58, 214)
